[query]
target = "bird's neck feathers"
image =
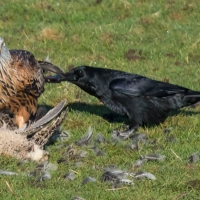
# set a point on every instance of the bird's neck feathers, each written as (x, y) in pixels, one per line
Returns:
(5, 56)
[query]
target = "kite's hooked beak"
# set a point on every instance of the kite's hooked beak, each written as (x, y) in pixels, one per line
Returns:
(3, 48)
(2, 44)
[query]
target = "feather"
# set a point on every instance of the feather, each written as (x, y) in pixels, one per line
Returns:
(5, 172)
(69, 176)
(21, 82)
(194, 157)
(100, 138)
(86, 138)
(17, 145)
(43, 171)
(26, 146)
(98, 151)
(77, 198)
(152, 156)
(88, 180)
(139, 162)
(147, 175)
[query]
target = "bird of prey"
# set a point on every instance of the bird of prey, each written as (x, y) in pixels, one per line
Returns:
(21, 82)
(28, 144)
(145, 101)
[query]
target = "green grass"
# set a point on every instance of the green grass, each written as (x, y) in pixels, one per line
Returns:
(100, 34)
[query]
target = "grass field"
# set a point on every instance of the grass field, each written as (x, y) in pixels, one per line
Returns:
(158, 39)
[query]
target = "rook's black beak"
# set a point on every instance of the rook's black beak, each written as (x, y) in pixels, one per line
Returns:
(54, 79)
(69, 76)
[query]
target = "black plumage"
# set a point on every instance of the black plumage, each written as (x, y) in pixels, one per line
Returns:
(145, 101)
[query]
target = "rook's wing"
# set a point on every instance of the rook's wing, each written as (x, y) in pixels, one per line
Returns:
(142, 86)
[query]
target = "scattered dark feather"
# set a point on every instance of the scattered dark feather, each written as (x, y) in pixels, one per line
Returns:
(100, 138)
(45, 176)
(78, 164)
(139, 162)
(98, 151)
(88, 180)
(77, 198)
(62, 160)
(141, 175)
(167, 130)
(111, 175)
(5, 172)
(69, 176)
(86, 139)
(139, 137)
(63, 135)
(194, 157)
(153, 157)
(118, 135)
(42, 171)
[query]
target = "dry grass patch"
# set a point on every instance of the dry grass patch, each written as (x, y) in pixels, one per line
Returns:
(75, 39)
(147, 20)
(88, 58)
(139, 31)
(73, 124)
(176, 16)
(106, 38)
(50, 34)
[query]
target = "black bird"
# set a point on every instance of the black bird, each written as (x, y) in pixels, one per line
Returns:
(143, 100)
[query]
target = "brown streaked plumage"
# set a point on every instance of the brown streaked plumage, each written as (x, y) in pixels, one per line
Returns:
(28, 144)
(21, 82)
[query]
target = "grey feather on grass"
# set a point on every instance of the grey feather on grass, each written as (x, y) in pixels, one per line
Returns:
(5, 172)
(194, 157)
(86, 139)
(88, 180)
(69, 176)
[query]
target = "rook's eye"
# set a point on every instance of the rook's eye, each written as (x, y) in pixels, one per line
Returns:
(80, 73)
